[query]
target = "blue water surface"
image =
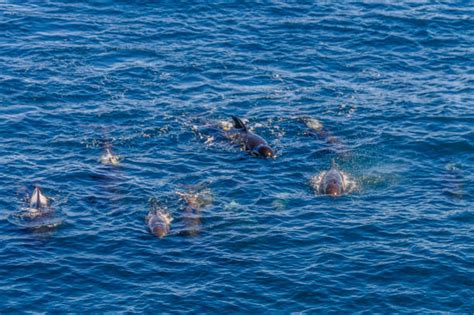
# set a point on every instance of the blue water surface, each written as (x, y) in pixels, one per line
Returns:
(392, 82)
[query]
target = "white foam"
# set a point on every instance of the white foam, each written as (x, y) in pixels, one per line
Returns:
(108, 158)
(313, 123)
(225, 125)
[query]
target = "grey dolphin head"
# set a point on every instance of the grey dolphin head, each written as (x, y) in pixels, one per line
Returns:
(159, 223)
(158, 220)
(333, 182)
(333, 188)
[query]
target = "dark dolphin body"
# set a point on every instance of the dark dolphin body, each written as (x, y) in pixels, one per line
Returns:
(195, 202)
(251, 142)
(316, 129)
(332, 183)
(158, 220)
(191, 216)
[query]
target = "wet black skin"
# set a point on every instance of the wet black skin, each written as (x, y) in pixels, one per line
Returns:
(252, 143)
(255, 144)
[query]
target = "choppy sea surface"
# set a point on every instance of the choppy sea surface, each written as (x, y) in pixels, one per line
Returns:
(392, 83)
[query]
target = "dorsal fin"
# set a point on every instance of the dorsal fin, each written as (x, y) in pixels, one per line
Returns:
(38, 200)
(333, 164)
(238, 123)
(34, 200)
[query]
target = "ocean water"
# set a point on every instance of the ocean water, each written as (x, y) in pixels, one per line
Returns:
(392, 83)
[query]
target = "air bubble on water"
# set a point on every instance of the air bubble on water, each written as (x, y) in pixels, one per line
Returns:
(231, 205)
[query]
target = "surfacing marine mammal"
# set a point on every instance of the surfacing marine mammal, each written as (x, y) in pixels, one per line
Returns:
(196, 199)
(38, 204)
(333, 182)
(250, 142)
(158, 220)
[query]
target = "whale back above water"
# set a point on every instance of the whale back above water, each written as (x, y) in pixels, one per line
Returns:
(38, 201)
(254, 144)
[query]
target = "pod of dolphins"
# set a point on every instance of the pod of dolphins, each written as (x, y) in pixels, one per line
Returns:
(158, 221)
